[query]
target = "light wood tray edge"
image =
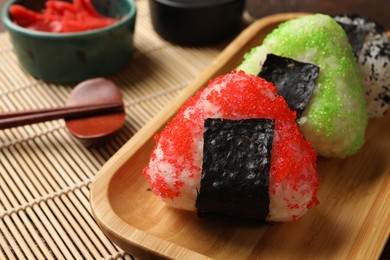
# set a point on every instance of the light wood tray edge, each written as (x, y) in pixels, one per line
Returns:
(99, 190)
(138, 241)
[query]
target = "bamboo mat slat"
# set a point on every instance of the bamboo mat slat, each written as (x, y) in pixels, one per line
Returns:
(45, 174)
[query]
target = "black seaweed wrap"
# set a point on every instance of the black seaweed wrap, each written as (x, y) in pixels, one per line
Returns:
(294, 80)
(235, 170)
(357, 28)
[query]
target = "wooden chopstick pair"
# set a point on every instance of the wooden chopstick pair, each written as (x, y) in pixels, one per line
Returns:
(13, 119)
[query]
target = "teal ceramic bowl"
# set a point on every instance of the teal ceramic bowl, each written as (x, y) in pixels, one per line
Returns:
(74, 57)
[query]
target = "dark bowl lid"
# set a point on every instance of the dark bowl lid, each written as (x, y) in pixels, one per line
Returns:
(196, 22)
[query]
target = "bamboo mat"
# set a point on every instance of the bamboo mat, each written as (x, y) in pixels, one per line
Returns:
(45, 174)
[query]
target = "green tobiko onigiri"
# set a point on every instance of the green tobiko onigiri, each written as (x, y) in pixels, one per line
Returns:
(335, 118)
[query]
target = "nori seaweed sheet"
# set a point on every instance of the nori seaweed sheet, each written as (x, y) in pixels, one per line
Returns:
(357, 28)
(355, 35)
(235, 170)
(294, 80)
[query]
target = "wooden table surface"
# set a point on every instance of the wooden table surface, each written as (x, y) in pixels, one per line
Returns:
(378, 10)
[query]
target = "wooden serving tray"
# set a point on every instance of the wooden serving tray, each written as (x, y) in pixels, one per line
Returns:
(352, 220)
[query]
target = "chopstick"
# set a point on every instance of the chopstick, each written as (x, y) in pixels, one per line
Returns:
(13, 119)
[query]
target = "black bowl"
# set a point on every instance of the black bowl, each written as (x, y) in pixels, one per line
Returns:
(195, 22)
